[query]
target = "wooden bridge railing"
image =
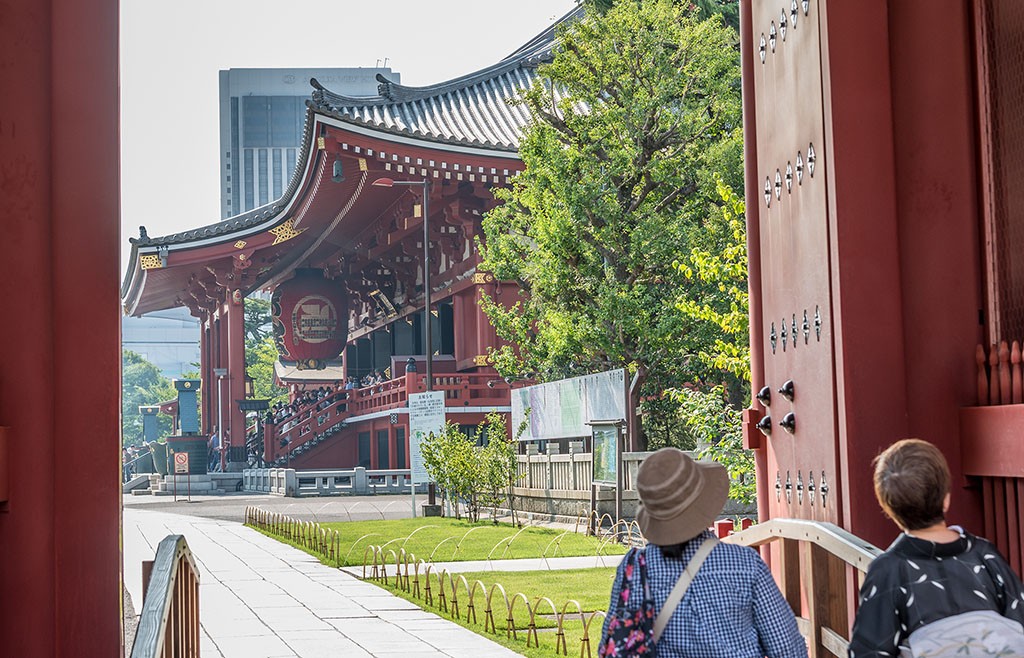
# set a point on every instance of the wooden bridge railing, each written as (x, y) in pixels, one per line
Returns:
(817, 564)
(991, 451)
(169, 623)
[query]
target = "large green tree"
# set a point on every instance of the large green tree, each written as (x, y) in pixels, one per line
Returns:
(141, 384)
(635, 118)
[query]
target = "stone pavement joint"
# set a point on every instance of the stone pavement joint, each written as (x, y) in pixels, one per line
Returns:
(260, 598)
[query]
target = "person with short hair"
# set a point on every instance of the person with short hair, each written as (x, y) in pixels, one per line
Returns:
(937, 590)
(732, 608)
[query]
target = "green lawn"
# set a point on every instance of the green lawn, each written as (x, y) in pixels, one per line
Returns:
(591, 588)
(448, 540)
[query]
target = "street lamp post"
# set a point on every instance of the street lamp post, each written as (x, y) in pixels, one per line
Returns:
(220, 373)
(427, 338)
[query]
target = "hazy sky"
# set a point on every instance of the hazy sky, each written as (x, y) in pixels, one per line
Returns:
(171, 53)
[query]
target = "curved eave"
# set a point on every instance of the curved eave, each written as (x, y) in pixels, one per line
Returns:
(412, 138)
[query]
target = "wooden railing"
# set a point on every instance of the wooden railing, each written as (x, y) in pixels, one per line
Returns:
(169, 623)
(313, 425)
(818, 563)
(571, 472)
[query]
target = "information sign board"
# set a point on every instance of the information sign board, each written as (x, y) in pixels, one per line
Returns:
(426, 417)
(562, 409)
(180, 462)
(606, 454)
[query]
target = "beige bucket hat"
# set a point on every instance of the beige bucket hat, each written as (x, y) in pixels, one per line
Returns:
(680, 498)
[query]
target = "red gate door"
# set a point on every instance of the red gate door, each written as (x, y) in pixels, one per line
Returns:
(792, 212)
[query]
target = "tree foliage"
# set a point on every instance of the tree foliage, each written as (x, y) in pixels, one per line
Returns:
(719, 432)
(720, 263)
(728, 10)
(142, 384)
(260, 351)
(633, 118)
(258, 326)
(712, 414)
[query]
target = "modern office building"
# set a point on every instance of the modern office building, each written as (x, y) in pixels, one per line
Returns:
(262, 112)
(169, 339)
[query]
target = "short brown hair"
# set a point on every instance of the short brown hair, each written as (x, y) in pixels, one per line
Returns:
(911, 483)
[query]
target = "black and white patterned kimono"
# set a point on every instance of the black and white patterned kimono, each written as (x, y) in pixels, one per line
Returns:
(923, 599)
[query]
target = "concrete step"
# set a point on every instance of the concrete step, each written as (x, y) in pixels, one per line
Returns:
(141, 480)
(141, 492)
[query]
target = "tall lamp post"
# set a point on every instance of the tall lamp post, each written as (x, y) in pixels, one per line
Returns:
(428, 344)
(220, 373)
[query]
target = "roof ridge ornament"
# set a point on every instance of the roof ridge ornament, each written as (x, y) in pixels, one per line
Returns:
(385, 88)
(318, 91)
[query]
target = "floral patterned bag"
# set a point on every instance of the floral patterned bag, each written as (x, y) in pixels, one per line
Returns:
(630, 631)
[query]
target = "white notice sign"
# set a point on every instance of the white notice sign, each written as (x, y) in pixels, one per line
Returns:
(426, 416)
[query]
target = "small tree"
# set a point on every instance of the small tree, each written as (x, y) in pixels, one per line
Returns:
(448, 458)
(719, 432)
(499, 471)
(471, 475)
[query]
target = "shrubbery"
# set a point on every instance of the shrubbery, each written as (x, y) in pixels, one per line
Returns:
(470, 475)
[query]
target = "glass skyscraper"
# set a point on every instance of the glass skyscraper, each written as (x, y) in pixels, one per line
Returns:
(261, 118)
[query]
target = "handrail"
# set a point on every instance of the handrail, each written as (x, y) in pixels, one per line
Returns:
(311, 424)
(169, 623)
(814, 559)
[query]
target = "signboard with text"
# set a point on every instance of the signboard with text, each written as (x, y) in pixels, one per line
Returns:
(180, 462)
(606, 454)
(426, 417)
(562, 409)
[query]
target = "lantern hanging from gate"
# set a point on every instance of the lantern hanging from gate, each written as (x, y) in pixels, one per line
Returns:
(310, 319)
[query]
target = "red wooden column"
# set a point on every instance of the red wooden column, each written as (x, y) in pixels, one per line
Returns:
(206, 411)
(234, 387)
(59, 376)
(464, 312)
(220, 360)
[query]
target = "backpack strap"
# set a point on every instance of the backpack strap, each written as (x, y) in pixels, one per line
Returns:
(682, 585)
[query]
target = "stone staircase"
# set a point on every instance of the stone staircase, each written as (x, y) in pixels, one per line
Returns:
(208, 484)
(305, 447)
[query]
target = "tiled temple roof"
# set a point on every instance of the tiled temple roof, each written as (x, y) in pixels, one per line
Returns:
(473, 110)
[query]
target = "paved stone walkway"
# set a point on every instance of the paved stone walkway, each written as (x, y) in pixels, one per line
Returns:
(262, 599)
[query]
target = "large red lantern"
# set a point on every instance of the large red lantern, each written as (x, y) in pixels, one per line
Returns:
(310, 316)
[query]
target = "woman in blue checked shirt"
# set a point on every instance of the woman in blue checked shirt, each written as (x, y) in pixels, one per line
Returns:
(732, 608)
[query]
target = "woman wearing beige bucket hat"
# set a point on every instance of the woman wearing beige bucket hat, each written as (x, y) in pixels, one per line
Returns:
(708, 600)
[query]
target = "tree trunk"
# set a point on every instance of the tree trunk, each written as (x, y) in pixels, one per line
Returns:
(637, 442)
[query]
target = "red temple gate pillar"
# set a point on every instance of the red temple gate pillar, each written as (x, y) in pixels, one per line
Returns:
(60, 572)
